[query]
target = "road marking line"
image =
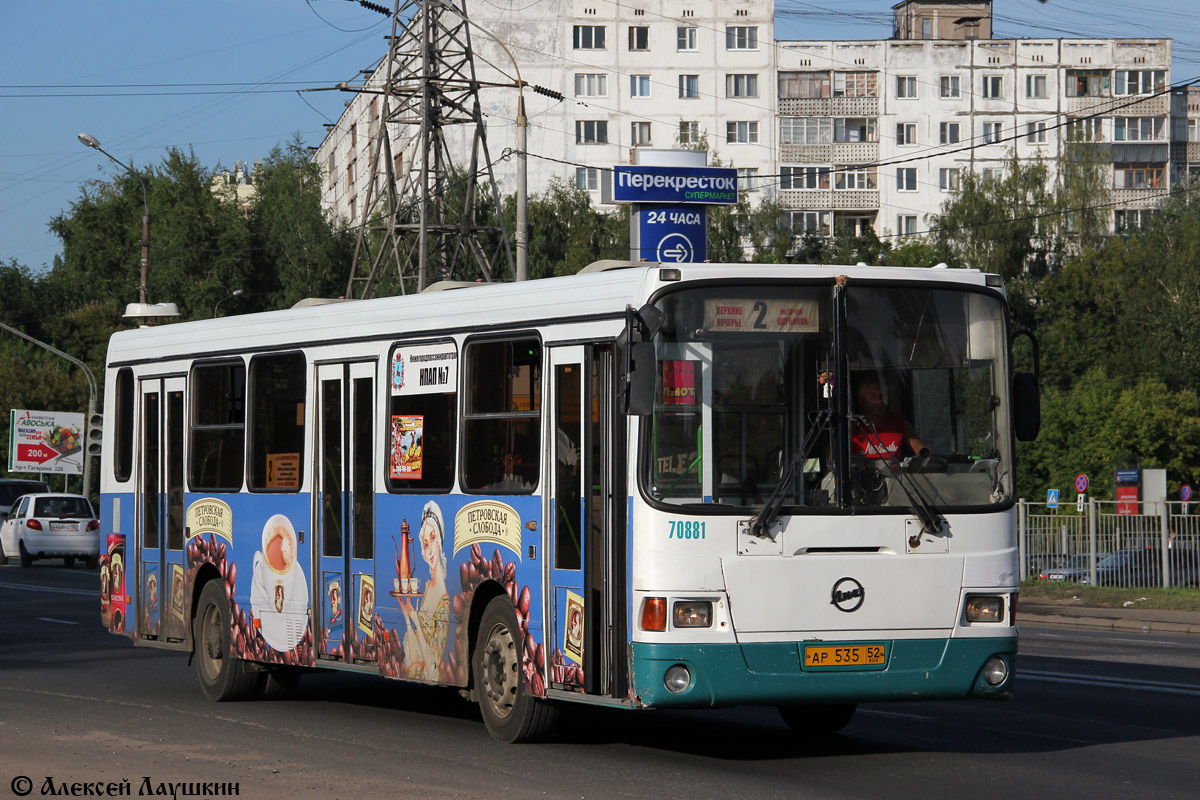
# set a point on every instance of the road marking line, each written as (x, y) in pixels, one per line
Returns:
(54, 590)
(59, 621)
(1112, 683)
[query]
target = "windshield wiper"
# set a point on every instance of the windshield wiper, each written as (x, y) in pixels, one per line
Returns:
(931, 523)
(761, 524)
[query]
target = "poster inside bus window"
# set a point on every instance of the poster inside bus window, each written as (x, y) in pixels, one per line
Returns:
(679, 382)
(407, 439)
(747, 315)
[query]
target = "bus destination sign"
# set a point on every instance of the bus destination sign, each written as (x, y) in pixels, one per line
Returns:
(746, 315)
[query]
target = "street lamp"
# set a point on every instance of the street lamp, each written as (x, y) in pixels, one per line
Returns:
(234, 293)
(90, 141)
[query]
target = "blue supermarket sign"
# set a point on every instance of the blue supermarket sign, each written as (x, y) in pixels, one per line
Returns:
(708, 185)
(671, 234)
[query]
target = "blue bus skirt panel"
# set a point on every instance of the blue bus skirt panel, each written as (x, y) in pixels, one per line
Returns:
(772, 674)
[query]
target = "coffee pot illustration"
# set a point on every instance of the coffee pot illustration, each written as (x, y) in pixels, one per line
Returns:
(404, 583)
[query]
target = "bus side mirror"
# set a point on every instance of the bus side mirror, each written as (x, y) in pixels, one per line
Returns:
(636, 375)
(1027, 406)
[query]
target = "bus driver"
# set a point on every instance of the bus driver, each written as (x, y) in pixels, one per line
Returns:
(884, 433)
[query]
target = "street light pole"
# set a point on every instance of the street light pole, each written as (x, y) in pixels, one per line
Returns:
(234, 293)
(91, 141)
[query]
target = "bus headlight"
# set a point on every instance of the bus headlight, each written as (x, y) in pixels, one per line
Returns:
(985, 609)
(677, 679)
(692, 614)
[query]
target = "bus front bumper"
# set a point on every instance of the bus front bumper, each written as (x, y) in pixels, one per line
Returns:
(774, 674)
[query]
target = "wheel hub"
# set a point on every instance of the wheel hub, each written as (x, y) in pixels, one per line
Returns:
(500, 670)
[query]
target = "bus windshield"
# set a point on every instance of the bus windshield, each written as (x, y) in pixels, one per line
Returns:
(747, 374)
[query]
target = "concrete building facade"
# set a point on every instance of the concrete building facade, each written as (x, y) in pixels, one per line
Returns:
(843, 134)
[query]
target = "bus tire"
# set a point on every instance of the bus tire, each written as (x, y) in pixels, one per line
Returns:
(818, 719)
(510, 714)
(223, 676)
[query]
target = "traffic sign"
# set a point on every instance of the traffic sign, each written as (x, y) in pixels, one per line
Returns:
(1052, 498)
(1080, 499)
(1081, 483)
(1185, 493)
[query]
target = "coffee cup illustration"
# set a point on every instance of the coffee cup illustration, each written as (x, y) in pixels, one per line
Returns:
(279, 591)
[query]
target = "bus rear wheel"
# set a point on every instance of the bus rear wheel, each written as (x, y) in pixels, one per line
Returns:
(818, 719)
(222, 675)
(509, 712)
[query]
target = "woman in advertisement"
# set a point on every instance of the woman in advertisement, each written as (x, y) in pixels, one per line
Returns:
(428, 627)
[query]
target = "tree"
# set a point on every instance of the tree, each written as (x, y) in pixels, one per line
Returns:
(566, 233)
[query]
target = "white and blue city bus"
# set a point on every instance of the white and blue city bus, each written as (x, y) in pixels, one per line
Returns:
(640, 486)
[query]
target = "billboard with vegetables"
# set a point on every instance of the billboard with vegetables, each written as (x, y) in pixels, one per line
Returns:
(45, 441)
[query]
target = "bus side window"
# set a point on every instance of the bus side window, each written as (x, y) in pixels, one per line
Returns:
(422, 421)
(501, 421)
(278, 384)
(218, 396)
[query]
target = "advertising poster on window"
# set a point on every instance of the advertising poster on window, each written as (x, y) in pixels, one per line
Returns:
(45, 441)
(679, 383)
(407, 439)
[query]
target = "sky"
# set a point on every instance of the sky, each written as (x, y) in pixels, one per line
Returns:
(224, 78)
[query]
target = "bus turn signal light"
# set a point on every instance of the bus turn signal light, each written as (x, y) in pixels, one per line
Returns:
(654, 614)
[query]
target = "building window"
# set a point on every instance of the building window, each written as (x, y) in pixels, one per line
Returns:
(1035, 87)
(991, 132)
(591, 131)
(1137, 129)
(741, 132)
(1130, 220)
(993, 86)
(855, 129)
(689, 86)
(808, 223)
(992, 174)
(1139, 81)
(906, 224)
(948, 179)
(1036, 133)
(803, 178)
(855, 84)
(639, 85)
(906, 179)
(501, 415)
(1193, 130)
(589, 37)
(685, 39)
(948, 132)
(741, 37)
(689, 132)
(639, 38)
(803, 85)
(639, 134)
(1089, 129)
(906, 133)
(854, 178)
(587, 179)
(739, 85)
(1087, 83)
(948, 85)
(591, 84)
(747, 179)
(805, 130)
(331, 168)
(906, 87)
(1137, 176)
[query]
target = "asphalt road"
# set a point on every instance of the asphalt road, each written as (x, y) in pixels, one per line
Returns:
(1097, 715)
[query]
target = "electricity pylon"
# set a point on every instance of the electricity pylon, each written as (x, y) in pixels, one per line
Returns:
(421, 200)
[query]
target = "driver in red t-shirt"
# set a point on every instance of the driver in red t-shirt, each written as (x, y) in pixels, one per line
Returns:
(891, 431)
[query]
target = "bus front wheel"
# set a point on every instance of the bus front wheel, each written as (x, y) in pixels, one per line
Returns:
(510, 713)
(818, 719)
(222, 675)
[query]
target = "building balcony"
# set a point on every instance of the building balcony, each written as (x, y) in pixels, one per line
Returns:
(830, 153)
(826, 199)
(1138, 198)
(1147, 106)
(829, 106)
(1185, 152)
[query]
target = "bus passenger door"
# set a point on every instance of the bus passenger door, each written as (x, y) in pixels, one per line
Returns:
(586, 551)
(160, 516)
(344, 512)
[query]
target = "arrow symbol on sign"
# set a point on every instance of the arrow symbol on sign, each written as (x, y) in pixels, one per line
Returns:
(677, 253)
(35, 453)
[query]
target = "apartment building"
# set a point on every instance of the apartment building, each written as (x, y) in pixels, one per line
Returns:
(844, 134)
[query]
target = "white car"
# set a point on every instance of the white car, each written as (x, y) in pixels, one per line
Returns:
(51, 526)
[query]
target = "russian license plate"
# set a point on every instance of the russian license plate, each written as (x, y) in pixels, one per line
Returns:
(64, 527)
(845, 655)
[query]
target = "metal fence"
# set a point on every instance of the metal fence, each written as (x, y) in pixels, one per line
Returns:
(1099, 547)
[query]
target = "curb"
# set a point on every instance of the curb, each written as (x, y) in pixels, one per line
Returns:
(1094, 622)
